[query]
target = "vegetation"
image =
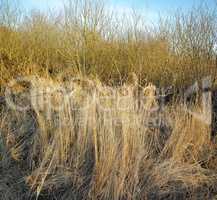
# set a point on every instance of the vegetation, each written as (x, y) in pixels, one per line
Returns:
(87, 39)
(94, 128)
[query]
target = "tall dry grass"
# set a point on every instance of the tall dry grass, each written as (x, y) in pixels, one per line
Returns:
(101, 145)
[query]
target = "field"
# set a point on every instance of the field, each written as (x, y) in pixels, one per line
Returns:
(93, 105)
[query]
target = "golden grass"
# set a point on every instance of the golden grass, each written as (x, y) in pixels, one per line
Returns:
(92, 149)
(92, 137)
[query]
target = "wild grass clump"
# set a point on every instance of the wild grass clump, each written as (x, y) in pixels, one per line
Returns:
(99, 144)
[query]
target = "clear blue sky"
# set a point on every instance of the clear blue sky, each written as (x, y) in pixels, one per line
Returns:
(152, 7)
(153, 4)
(162, 4)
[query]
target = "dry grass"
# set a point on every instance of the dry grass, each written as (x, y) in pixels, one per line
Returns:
(92, 149)
(103, 142)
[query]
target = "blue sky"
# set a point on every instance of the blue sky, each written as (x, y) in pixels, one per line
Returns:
(152, 4)
(151, 8)
(162, 4)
